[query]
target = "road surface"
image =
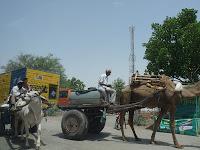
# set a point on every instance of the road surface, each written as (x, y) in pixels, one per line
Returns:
(108, 139)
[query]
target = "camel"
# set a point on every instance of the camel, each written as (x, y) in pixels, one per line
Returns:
(164, 98)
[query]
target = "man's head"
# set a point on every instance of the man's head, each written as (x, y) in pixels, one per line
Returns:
(20, 84)
(108, 72)
(25, 80)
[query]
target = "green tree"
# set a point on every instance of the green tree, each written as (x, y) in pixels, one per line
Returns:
(174, 47)
(75, 84)
(118, 84)
(47, 63)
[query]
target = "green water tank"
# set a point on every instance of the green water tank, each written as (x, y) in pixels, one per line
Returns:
(85, 97)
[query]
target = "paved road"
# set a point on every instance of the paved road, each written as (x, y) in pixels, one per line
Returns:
(109, 139)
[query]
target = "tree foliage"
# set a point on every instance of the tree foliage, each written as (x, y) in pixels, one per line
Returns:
(75, 84)
(174, 47)
(47, 63)
(118, 84)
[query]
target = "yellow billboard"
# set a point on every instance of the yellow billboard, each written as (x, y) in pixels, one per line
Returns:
(38, 79)
(4, 86)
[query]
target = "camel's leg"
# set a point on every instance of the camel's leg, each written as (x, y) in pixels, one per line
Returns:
(131, 124)
(157, 123)
(125, 121)
(38, 136)
(121, 122)
(27, 133)
(117, 122)
(172, 126)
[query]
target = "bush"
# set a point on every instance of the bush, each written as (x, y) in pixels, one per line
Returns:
(53, 111)
(140, 121)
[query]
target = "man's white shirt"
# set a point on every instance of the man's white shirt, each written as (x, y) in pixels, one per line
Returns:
(103, 80)
(15, 91)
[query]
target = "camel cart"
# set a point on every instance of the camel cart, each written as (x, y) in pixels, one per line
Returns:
(86, 113)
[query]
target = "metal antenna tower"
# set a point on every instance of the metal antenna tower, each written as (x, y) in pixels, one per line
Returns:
(132, 55)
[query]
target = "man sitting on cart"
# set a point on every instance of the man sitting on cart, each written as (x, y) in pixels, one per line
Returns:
(108, 92)
(16, 92)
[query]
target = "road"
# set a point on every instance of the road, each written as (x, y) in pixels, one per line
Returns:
(109, 139)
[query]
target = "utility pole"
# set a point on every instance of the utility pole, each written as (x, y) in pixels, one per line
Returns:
(132, 55)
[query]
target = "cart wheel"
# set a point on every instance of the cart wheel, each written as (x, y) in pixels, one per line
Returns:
(74, 125)
(96, 124)
(2, 128)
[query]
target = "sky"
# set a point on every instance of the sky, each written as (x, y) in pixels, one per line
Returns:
(89, 36)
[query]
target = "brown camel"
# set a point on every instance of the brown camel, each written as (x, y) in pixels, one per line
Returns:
(163, 98)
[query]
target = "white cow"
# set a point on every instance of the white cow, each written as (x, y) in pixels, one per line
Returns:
(30, 114)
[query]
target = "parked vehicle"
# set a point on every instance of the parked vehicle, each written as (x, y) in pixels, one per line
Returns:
(63, 99)
(36, 79)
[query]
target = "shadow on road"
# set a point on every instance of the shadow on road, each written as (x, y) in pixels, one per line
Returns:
(60, 135)
(132, 140)
(194, 146)
(98, 137)
(147, 142)
(19, 144)
(91, 137)
(115, 138)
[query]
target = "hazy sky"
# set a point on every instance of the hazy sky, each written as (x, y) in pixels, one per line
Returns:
(87, 35)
